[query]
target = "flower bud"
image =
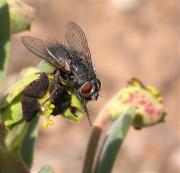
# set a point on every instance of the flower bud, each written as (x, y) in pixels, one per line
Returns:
(148, 102)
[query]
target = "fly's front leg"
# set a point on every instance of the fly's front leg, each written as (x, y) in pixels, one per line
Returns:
(83, 103)
(35, 90)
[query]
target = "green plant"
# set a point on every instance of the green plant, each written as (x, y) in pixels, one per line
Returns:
(134, 105)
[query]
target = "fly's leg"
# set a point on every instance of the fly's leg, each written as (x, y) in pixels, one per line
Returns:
(83, 103)
(58, 95)
(35, 90)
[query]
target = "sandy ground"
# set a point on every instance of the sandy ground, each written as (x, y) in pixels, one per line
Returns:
(136, 39)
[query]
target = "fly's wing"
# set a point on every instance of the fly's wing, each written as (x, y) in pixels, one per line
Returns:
(76, 40)
(40, 48)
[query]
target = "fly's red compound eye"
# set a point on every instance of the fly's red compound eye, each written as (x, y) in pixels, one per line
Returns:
(86, 88)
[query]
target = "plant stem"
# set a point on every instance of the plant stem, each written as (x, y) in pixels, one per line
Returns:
(113, 141)
(91, 150)
(10, 162)
(5, 34)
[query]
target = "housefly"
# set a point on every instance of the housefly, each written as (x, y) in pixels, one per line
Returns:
(72, 63)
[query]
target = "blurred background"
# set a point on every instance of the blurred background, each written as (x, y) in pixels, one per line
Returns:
(127, 38)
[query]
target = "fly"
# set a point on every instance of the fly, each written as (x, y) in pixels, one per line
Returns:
(72, 62)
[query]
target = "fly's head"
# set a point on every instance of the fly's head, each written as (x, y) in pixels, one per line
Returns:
(86, 83)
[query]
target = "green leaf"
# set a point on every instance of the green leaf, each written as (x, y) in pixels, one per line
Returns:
(43, 66)
(27, 147)
(16, 88)
(16, 135)
(12, 113)
(113, 140)
(19, 21)
(5, 34)
(10, 101)
(3, 133)
(21, 16)
(79, 113)
(46, 169)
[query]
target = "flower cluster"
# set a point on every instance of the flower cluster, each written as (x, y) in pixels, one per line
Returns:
(148, 102)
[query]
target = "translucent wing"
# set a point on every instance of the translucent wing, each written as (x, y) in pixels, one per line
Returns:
(76, 40)
(47, 52)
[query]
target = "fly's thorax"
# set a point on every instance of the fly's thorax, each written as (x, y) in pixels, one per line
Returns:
(81, 71)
